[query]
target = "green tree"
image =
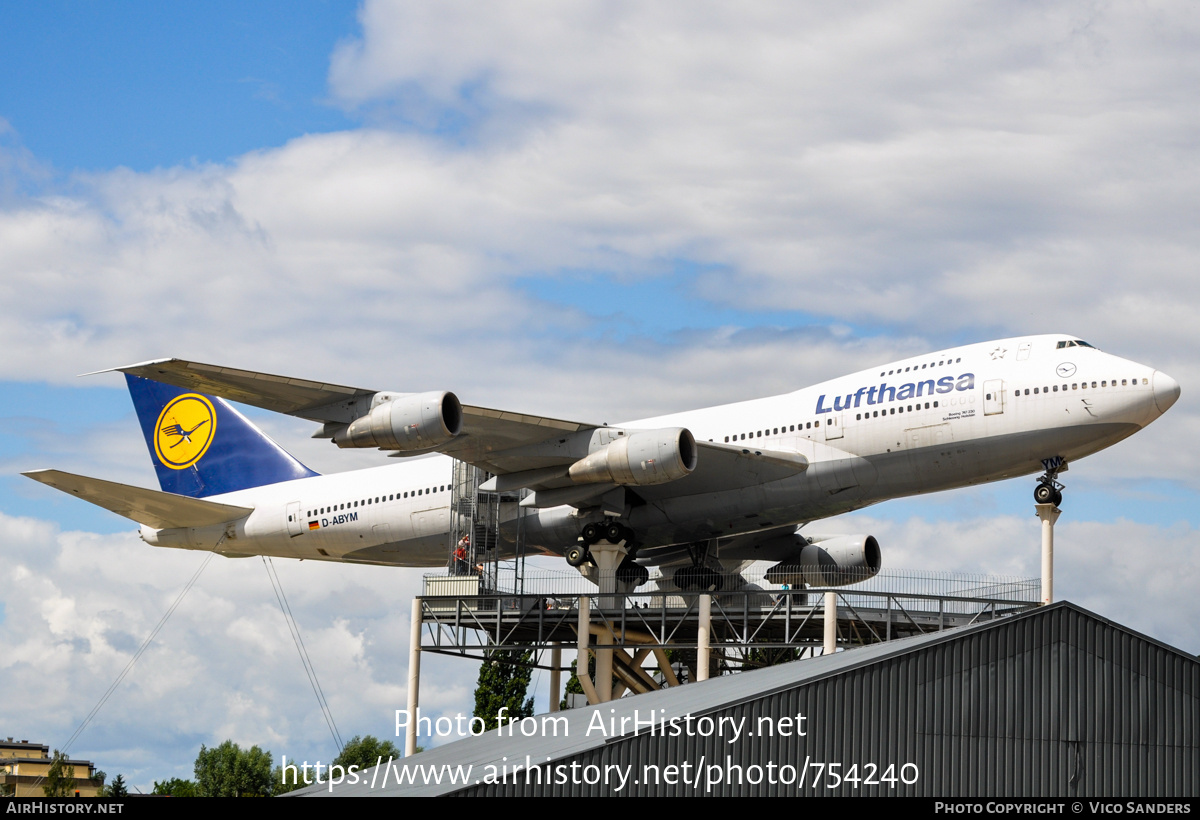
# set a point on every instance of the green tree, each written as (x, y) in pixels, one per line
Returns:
(362, 752)
(574, 687)
(503, 681)
(175, 788)
(365, 752)
(229, 771)
(60, 778)
(117, 788)
(282, 782)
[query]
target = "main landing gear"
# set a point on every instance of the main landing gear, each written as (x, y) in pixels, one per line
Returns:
(1049, 490)
(699, 576)
(614, 534)
(703, 579)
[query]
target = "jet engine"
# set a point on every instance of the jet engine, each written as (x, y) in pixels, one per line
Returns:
(639, 458)
(829, 562)
(415, 422)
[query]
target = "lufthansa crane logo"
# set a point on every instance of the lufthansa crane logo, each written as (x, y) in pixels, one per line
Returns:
(184, 430)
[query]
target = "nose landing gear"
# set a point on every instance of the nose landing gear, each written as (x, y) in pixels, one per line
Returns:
(1049, 490)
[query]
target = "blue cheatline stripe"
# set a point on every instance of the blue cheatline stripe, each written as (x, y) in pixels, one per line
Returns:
(201, 446)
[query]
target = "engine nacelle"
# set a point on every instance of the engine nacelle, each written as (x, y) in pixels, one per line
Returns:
(639, 458)
(830, 562)
(416, 422)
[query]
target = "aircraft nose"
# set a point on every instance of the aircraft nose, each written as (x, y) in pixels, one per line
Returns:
(1166, 390)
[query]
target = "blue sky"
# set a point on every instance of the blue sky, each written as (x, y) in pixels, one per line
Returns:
(92, 86)
(597, 211)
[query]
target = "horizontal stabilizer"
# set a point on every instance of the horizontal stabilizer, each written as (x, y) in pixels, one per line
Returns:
(150, 507)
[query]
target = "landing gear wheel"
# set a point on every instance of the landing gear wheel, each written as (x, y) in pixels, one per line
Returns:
(698, 578)
(632, 572)
(592, 533)
(1049, 489)
(577, 556)
(615, 533)
(1045, 493)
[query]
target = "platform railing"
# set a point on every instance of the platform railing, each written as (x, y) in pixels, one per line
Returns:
(755, 613)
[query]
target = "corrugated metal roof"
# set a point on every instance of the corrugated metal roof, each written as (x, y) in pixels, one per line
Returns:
(1042, 703)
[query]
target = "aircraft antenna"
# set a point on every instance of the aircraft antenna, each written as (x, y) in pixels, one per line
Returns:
(309, 669)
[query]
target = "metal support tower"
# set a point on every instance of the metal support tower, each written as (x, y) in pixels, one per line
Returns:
(493, 524)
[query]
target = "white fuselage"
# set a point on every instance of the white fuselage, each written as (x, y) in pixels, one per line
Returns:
(957, 417)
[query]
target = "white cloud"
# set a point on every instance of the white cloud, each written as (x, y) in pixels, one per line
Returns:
(892, 164)
(78, 606)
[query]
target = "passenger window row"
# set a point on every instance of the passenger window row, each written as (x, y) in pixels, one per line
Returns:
(872, 414)
(1081, 386)
(810, 425)
(922, 367)
(350, 505)
(772, 431)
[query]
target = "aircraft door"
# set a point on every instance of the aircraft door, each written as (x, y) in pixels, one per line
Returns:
(993, 397)
(833, 427)
(294, 524)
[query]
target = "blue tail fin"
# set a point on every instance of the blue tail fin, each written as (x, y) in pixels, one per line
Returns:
(201, 446)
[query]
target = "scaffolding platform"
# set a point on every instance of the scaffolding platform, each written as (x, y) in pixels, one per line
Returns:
(756, 616)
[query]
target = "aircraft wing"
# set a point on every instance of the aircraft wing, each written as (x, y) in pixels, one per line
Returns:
(722, 467)
(484, 430)
(150, 507)
(530, 451)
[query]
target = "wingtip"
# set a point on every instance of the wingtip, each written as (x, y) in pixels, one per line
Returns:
(39, 475)
(125, 368)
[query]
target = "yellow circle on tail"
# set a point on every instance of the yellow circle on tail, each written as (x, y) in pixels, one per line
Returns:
(184, 430)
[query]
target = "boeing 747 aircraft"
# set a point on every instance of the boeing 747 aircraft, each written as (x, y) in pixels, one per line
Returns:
(696, 490)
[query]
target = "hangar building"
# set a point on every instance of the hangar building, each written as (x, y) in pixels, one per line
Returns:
(1055, 702)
